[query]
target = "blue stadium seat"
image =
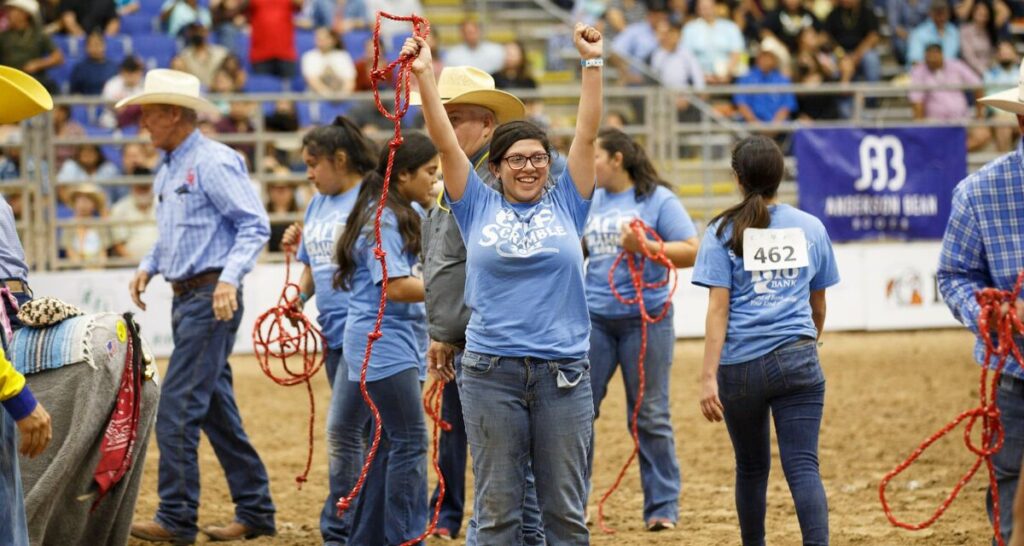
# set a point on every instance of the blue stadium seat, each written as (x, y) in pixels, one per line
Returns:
(241, 48)
(263, 83)
(298, 83)
(73, 48)
(156, 50)
(303, 112)
(395, 47)
(354, 42)
(328, 110)
(150, 7)
(113, 154)
(117, 46)
(61, 75)
(93, 131)
(304, 41)
(138, 24)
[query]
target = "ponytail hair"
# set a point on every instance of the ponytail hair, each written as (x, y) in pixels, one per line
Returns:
(343, 135)
(637, 165)
(759, 166)
(416, 150)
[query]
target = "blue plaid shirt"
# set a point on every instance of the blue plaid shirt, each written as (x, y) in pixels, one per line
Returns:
(12, 255)
(208, 214)
(984, 241)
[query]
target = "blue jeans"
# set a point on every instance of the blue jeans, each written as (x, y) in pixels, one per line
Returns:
(392, 506)
(788, 385)
(616, 343)
(13, 528)
(523, 412)
(1007, 461)
(452, 461)
(197, 394)
(344, 455)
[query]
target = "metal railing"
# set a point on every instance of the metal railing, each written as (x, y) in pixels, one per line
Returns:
(694, 154)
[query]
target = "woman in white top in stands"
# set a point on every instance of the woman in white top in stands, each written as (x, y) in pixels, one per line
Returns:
(328, 69)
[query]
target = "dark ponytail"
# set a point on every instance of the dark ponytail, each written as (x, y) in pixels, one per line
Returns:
(345, 136)
(759, 166)
(634, 160)
(416, 150)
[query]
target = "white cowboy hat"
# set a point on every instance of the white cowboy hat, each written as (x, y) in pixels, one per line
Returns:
(1011, 100)
(30, 7)
(773, 46)
(23, 96)
(164, 86)
(469, 85)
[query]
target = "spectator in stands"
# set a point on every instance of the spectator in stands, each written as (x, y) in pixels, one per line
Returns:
(233, 65)
(83, 17)
(222, 85)
(281, 202)
(228, 18)
(139, 159)
(392, 32)
(678, 11)
(766, 107)
(938, 29)
(853, 27)
(639, 40)
(946, 104)
(622, 13)
(127, 7)
(132, 240)
(65, 127)
(328, 69)
(787, 22)
(239, 121)
(88, 164)
(272, 49)
(355, 16)
(91, 73)
(1001, 11)
(749, 17)
(677, 68)
(813, 65)
(978, 38)
(283, 119)
(87, 245)
(903, 16)
(126, 83)
(178, 14)
(475, 51)
(24, 45)
(1003, 74)
(200, 58)
(515, 74)
(716, 42)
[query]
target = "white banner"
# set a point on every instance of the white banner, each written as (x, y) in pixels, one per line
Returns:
(884, 286)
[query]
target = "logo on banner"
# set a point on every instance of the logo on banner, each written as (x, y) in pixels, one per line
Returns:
(881, 164)
(911, 288)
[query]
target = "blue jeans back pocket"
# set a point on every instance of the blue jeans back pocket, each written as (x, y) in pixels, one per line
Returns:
(799, 364)
(732, 381)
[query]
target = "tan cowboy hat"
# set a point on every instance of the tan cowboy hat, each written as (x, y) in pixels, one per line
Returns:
(469, 85)
(22, 96)
(92, 191)
(773, 46)
(30, 7)
(1011, 100)
(164, 86)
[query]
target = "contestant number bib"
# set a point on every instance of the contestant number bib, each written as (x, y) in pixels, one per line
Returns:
(772, 249)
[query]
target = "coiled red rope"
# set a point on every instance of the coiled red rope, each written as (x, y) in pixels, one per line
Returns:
(432, 399)
(637, 265)
(283, 332)
(990, 300)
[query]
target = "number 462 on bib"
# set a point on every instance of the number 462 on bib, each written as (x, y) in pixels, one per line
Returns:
(772, 249)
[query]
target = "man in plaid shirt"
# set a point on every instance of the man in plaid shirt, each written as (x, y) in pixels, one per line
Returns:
(984, 247)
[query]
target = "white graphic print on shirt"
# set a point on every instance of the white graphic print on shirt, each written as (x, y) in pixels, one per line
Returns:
(515, 235)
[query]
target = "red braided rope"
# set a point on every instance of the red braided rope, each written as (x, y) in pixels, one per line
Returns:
(636, 274)
(421, 28)
(990, 300)
(283, 332)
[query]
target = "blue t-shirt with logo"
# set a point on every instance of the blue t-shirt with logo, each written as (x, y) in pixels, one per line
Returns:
(662, 211)
(404, 341)
(524, 271)
(767, 309)
(323, 225)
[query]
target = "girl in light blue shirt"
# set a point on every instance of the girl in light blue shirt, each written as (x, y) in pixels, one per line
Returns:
(393, 507)
(629, 187)
(767, 266)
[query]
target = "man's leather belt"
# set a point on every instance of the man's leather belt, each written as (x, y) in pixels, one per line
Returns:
(203, 279)
(17, 286)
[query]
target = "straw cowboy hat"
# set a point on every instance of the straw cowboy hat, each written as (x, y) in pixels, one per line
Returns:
(1011, 100)
(164, 86)
(21, 96)
(468, 85)
(773, 46)
(92, 191)
(30, 7)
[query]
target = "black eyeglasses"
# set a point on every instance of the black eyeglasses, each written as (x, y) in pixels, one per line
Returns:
(517, 161)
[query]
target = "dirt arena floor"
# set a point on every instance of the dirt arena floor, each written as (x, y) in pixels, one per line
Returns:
(886, 393)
